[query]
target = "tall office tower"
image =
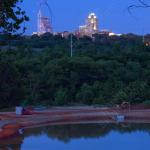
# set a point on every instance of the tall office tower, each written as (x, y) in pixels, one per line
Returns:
(92, 23)
(44, 20)
(91, 26)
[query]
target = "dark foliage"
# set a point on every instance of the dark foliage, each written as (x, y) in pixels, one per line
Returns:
(11, 16)
(103, 70)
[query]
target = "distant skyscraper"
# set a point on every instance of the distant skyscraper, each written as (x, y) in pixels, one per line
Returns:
(91, 26)
(44, 22)
(92, 23)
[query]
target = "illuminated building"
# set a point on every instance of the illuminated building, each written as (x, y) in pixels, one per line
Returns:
(92, 23)
(44, 18)
(91, 26)
(44, 24)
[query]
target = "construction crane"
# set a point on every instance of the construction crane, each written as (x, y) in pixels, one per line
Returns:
(44, 20)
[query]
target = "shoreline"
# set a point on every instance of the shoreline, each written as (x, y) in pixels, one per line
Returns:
(9, 121)
(61, 115)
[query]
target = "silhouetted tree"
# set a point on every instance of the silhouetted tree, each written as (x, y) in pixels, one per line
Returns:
(11, 16)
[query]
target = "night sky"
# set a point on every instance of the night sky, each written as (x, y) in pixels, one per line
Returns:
(113, 15)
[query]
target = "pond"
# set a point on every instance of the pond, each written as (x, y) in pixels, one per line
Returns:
(82, 137)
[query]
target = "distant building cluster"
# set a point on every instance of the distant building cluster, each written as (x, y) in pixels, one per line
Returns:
(90, 27)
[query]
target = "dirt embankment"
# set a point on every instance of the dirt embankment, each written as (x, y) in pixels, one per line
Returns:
(11, 123)
(77, 115)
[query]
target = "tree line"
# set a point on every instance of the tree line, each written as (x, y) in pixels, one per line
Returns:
(38, 70)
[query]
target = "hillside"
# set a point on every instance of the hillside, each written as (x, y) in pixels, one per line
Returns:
(103, 70)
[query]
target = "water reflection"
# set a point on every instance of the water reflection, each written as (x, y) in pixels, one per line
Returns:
(83, 136)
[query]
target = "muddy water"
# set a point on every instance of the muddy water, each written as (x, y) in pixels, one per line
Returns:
(82, 137)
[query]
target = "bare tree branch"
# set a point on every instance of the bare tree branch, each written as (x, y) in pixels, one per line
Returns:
(142, 4)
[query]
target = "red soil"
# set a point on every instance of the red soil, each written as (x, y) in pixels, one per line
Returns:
(72, 115)
(7, 133)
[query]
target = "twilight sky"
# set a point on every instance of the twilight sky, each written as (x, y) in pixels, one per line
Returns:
(112, 14)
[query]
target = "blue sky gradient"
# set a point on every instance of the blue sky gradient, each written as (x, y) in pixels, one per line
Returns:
(113, 15)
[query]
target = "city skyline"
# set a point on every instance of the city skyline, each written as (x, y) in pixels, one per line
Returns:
(67, 16)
